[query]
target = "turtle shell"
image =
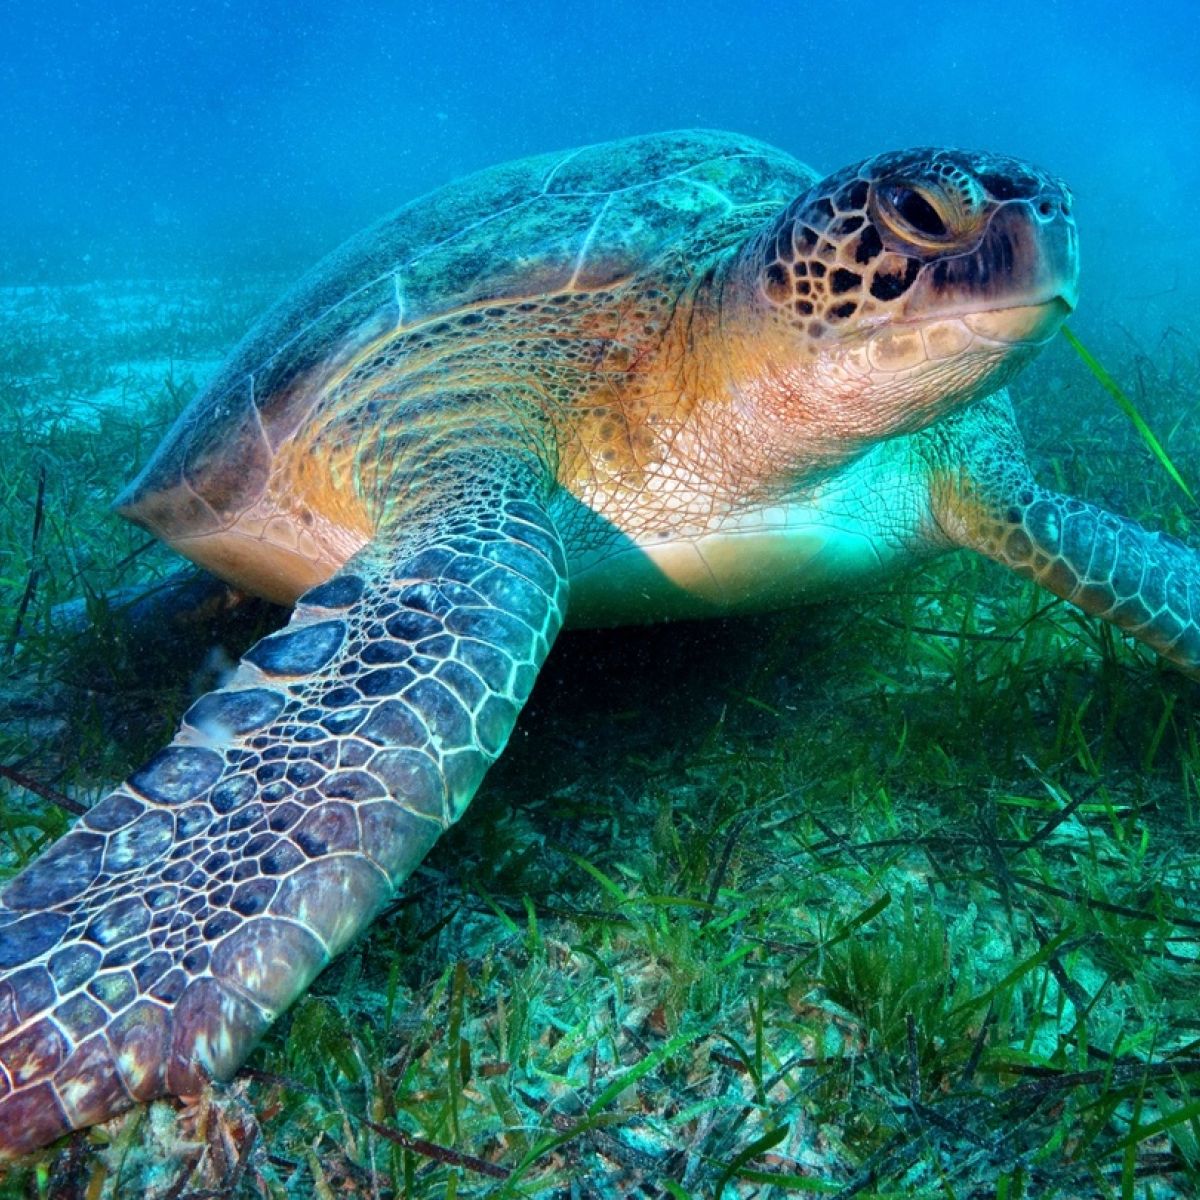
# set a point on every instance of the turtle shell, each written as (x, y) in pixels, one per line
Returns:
(577, 219)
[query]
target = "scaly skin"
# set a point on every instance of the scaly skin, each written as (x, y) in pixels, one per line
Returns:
(985, 499)
(660, 343)
(149, 948)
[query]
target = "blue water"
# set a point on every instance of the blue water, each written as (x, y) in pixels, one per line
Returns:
(141, 135)
(154, 138)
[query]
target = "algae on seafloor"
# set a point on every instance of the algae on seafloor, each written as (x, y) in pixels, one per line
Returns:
(895, 896)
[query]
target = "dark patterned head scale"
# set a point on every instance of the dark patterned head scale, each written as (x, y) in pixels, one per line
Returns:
(976, 229)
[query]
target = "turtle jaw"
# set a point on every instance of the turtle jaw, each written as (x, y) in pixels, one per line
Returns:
(1020, 324)
(971, 345)
(1031, 324)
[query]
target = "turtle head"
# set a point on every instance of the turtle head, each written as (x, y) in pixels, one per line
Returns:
(906, 285)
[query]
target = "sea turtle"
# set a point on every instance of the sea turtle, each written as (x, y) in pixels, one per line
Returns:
(675, 375)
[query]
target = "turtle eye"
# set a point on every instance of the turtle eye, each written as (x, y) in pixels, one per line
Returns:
(912, 212)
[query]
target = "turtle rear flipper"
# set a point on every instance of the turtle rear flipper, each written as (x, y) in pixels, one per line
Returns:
(150, 947)
(174, 608)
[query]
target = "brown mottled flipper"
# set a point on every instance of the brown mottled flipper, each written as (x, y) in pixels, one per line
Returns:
(151, 946)
(1146, 583)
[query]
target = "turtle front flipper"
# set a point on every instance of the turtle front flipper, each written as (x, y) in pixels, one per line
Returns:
(151, 946)
(1146, 583)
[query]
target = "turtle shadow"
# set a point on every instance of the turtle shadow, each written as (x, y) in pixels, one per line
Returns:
(619, 716)
(611, 707)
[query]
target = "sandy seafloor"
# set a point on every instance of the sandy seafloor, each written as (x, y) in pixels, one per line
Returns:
(790, 713)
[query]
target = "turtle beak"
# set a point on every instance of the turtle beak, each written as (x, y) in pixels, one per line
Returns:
(1019, 282)
(1020, 324)
(1069, 296)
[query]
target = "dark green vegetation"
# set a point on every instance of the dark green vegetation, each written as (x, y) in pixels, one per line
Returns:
(898, 897)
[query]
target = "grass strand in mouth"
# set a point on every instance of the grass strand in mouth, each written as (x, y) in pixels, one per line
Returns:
(1127, 406)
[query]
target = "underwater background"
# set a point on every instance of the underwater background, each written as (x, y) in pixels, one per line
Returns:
(224, 134)
(892, 897)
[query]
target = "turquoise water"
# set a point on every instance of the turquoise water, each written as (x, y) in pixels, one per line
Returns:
(152, 134)
(166, 168)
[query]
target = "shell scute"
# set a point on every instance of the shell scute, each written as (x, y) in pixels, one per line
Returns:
(556, 223)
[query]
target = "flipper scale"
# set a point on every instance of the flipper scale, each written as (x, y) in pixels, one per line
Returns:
(154, 943)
